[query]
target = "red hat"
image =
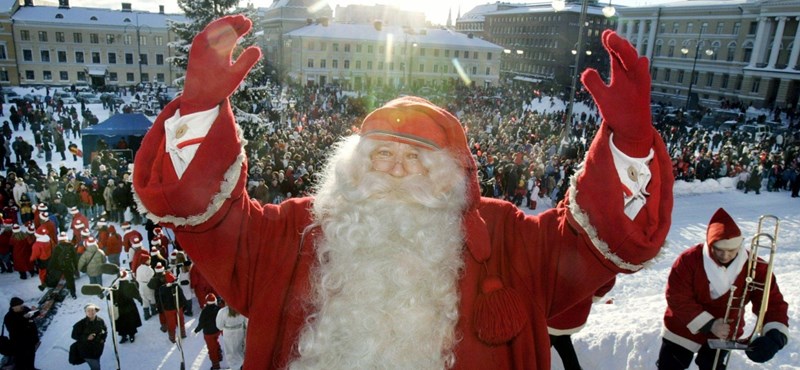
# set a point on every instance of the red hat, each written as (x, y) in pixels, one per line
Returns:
(16, 228)
(169, 278)
(79, 224)
(91, 241)
(7, 222)
(159, 267)
(125, 225)
(211, 298)
(157, 230)
(136, 243)
(85, 232)
(73, 210)
(30, 228)
(102, 222)
(62, 237)
(156, 241)
(723, 233)
(44, 215)
(153, 251)
(123, 275)
(41, 207)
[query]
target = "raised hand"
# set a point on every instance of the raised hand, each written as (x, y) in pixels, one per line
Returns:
(211, 75)
(624, 103)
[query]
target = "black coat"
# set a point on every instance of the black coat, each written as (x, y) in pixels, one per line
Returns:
(21, 330)
(124, 297)
(166, 297)
(92, 349)
(208, 320)
(64, 257)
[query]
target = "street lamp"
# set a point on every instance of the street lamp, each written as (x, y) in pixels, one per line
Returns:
(685, 51)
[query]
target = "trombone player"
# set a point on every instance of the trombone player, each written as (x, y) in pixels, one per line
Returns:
(698, 291)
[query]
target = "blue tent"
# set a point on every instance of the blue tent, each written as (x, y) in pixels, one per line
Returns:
(127, 127)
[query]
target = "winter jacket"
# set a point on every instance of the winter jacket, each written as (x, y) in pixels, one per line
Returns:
(82, 329)
(21, 330)
(208, 320)
(124, 299)
(166, 296)
(113, 244)
(108, 198)
(64, 258)
(21, 252)
(93, 258)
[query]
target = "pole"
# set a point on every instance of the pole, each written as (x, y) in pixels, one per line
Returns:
(178, 320)
(579, 49)
(694, 66)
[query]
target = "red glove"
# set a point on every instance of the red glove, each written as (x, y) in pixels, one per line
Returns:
(210, 75)
(624, 104)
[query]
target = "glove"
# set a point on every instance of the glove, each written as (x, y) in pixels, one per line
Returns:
(624, 104)
(210, 76)
(763, 348)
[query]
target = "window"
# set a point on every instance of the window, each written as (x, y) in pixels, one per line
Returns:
(489, 57)
(145, 77)
(725, 78)
(421, 51)
(335, 46)
(695, 77)
(358, 64)
(109, 39)
(112, 58)
(27, 55)
(45, 56)
(112, 76)
(671, 51)
(369, 65)
(675, 27)
(323, 63)
(667, 75)
(60, 37)
(380, 66)
(346, 48)
(323, 46)
(335, 64)
(142, 40)
(474, 71)
(3, 54)
(731, 52)
(63, 75)
(128, 58)
(42, 36)
(704, 28)
(129, 77)
(160, 59)
(358, 48)
(126, 39)
(474, 54)
(657, 50)
(456, 53)
(720, 28)
(158, 40)
(680, 77)
(346, 64)
(143, 60)
(310, 64)
(447, 53)
(662, 27)
(94, 38)
(4, 76)
(736, 28)
(369, 49)
(47, 75)
(96, 57)
(753, 28)
(756, 85)
(79, 57)
(709, 79)
(25, 35)
(487, 73)
(77, 37)
(29, 75)
(160, 77)
(689, 27)
(62, 56)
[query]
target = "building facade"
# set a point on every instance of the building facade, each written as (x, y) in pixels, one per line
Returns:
(712, 52)
(363, 56)
(70, 45)
(541, 43)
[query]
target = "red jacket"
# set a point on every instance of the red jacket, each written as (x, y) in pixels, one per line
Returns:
(127, 239)
(21, 251)
(690, 306)
(113, 242)
(255, 257)
(42, 249)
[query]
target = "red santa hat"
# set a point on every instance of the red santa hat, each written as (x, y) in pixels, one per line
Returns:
(157, 231)
(125, 225)
(79, 224)
(85, 232)
(159, 267)
(211, 298)
(173, 255)
(168, 277)
(723, 233)
(136, 243)
(7, 222)
(41, 207)
(102, 222)
(124, 275)
(73, 210)
(30, 228)
(156, 241)
(16, 228)
(153, 251)
(62, 237)
(44, 215)
(91, 241)
(499, 312)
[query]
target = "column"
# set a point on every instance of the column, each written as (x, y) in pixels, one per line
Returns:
(629, 31)
(795, 47)
(651, 39)
(776, 43)
(640, 36)
(755, 57)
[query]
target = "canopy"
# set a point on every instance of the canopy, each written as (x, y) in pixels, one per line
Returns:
(121, 132)
(527, 79)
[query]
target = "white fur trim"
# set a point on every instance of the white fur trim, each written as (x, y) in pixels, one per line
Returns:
(776, 325)
(583, 221)
(698, 322)
(681, 341)
(553, 331)
(229, 180)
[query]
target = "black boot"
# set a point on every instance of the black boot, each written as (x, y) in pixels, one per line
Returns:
(146, 313)
(33, 273)
(188, 311)
(23, 275)
(124, 339)
(133, 337)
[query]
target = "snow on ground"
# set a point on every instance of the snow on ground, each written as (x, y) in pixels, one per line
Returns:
(624, 334)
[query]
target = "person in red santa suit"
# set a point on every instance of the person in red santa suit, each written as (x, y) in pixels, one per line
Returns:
(128, 234)
(41, 250)
(698, 290)
(562, 326)
(79, 221)
(397, 259)
(21, 251)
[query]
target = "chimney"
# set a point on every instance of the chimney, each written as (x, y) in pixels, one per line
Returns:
(378, 25)
(160, 9)
(63, 4)
(126, 7)
(28, 3)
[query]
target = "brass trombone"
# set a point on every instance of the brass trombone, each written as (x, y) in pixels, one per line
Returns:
(758, 243)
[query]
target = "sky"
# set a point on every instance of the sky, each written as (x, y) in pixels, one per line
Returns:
(435, 11)
(623, 330)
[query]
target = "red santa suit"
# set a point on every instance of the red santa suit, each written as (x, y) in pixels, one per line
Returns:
(200, 285)
(698, 289)
(41, 250)
(572, 320)
(79, 221)
(49, 226)
(21, 250)
(128, 236)
(260, 258)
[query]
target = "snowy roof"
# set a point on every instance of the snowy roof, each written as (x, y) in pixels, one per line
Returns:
(7, 5)
(547, 8)
(477, 13)
(101, 17)
(365, 32)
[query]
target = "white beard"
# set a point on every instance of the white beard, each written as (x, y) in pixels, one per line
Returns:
(385, 293)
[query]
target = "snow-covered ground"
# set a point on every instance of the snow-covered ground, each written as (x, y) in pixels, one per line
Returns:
(622, 335)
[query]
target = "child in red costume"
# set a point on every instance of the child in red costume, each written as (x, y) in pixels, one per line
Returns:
(397, 259)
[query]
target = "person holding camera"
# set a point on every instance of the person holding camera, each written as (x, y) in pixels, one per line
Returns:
(90, 332)
(22, 332)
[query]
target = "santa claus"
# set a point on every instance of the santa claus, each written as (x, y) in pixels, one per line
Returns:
(397, 262)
